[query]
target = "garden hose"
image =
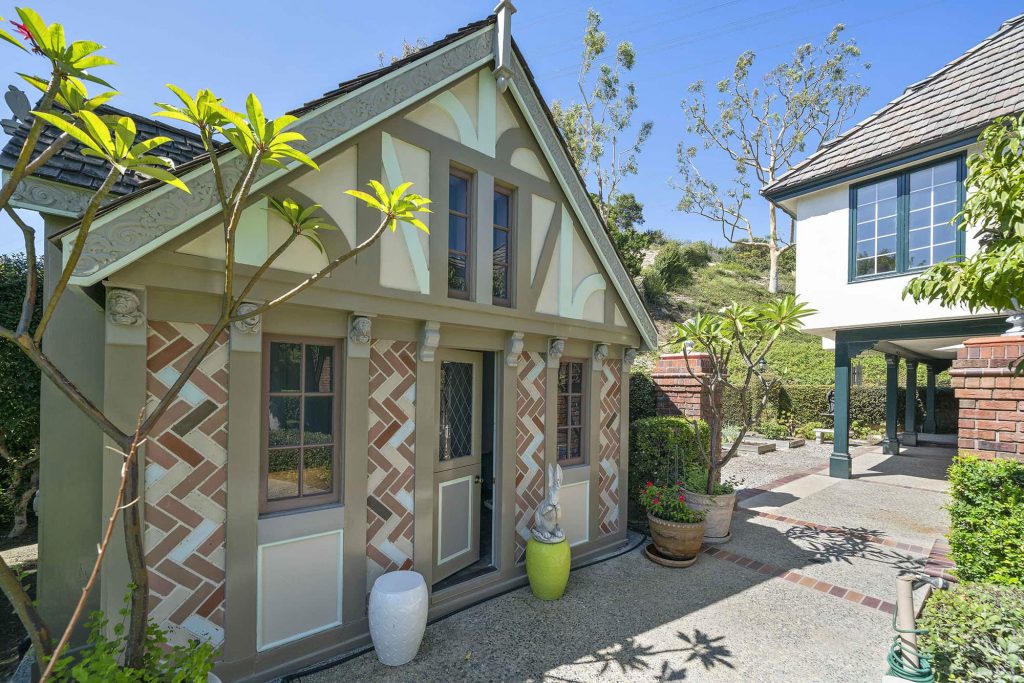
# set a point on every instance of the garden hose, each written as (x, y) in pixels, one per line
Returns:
(898, 664)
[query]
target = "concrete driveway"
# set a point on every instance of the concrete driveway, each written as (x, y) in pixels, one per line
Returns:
(802, 592)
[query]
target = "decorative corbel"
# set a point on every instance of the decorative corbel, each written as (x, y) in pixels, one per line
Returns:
(360, 334)
(628, 356)
(600, 353)
(429, 340)
(124, 307)
(503, 44)
(556, 347)
(514, 349)
(250, 325)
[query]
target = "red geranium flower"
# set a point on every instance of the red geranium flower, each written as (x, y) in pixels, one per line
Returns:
(650, 484)
(657, 500)
(682, 498)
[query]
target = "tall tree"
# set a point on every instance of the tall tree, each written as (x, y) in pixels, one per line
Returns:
(598, 130)
(763, 129)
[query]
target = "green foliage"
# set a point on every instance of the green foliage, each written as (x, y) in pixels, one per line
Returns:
(675, 264)
(775, 428)
(975, 634)
(755, 257)
(986, 512)
(807, 430)
(696, 479)
(624, 214)
(594, 128)
(643, 400)
(668, 502)
(994, 276)
(660, 449)
(101, 659)
(399, 206)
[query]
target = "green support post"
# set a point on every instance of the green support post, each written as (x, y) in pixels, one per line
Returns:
(891, 444)
(910, 414)
(839, 464)
(929, 402)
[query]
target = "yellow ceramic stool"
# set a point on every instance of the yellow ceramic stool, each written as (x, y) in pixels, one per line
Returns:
(547, 567)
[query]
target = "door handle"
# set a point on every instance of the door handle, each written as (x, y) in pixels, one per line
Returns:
(477, 479)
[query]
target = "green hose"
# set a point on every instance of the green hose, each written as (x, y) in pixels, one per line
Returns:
(898, 664)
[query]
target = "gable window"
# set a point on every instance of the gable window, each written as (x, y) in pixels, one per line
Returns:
(300, 465)
(571, 408)
(904, 222)
(459, 235)
(501, 288)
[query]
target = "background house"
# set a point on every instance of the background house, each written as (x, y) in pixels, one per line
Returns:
(875, 206)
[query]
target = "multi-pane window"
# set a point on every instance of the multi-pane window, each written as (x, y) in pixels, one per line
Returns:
(459, 236)
(501, 289)
(934, 194)
(905, 222)
(571, 406)
(876, 228)
(300, 466)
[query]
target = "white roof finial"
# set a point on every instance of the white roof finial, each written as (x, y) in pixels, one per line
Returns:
(503, 44)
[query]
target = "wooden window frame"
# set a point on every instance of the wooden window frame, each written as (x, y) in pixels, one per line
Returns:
(902, 178)
(509, 230)
(470, 242)
(584, 413)
(300, 502)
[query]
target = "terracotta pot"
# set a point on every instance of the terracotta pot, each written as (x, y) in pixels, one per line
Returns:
(676, 540)
(718, 514)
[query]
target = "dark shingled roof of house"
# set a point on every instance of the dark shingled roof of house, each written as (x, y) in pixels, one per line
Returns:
(71, 167)
(955, 102)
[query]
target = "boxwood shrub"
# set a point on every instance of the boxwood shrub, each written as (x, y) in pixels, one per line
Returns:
(643, 401)
(659, 450)
(975, 633)
(986, 514)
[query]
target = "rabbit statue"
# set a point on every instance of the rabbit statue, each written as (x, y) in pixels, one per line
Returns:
(546, 519)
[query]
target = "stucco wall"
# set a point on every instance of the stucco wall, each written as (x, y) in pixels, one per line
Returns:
(822, 272)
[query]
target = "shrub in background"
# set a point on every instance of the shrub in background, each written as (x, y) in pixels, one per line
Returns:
(659, 450)
(643, 397)
(986, 515)
(975, 633)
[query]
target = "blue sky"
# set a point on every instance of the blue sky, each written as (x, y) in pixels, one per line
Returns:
(288, 54)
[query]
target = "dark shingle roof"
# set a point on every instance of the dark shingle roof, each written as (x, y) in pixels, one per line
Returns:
(956, 101)
(70, 167)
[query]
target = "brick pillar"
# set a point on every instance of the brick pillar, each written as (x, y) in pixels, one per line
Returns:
(991, 398)
(679, 392)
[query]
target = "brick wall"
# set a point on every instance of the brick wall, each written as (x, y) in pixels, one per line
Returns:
(991, 398)
(679, 392)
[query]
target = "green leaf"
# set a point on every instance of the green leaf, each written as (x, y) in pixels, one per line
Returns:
(124, 136)
(399, 191)
(163, 175)
(256, 118)
(145, 146)
(34, 23)
(382, 194)
(80, 48)
(35, 81)
(72, 130)
(298, 156)
(369, 199)
(96, 129)
(93, 61)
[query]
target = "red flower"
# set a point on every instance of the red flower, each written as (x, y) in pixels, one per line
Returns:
(22, 30)
(657, 500)
(682, 498)
(650, 484)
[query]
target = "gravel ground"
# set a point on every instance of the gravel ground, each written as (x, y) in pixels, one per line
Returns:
(20, 554)
(757, 470)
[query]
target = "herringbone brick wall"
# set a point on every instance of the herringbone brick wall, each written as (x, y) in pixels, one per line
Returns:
(390, 458)
(608, 442)
(529, 445)
(186, 485)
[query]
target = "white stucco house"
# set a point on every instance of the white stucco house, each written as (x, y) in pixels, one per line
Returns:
(876, 206)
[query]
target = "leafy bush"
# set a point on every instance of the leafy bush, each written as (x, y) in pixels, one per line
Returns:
(975, 633)
(807, 430)
(660, 448)
(643, 396)
(675, 263)
(986, 512)
(100, 660)
(652, 283)
(783, 427)
(696, 479)
(668, 502)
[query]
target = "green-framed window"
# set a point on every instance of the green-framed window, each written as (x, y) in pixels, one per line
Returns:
(903, 222)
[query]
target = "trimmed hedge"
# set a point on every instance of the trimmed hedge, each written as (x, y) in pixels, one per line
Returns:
(975, 633)
(986, 513)
(659, 450)
(642, 397)
(808, 402)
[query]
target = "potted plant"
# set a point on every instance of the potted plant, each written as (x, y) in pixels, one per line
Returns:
(730, 348)
(717, 505)
(677, 530)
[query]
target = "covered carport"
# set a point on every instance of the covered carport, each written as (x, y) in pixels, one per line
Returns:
(933, 344)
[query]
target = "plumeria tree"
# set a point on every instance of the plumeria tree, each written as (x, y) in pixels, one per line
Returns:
(240, 146)
(737, 332)
(993, 277)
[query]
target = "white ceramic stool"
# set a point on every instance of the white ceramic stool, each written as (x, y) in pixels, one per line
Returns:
(398, 616)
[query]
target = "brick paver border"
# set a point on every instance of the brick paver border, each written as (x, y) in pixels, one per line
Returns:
(800, 579)
(861, 536)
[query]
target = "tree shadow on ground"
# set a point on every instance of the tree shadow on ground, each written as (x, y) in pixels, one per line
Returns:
(844, 544)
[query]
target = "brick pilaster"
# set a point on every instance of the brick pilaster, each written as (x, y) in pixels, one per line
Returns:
(991, 421)
(680, 392)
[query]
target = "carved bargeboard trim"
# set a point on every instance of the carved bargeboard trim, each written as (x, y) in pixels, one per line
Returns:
(48, 197)
(137, 228)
